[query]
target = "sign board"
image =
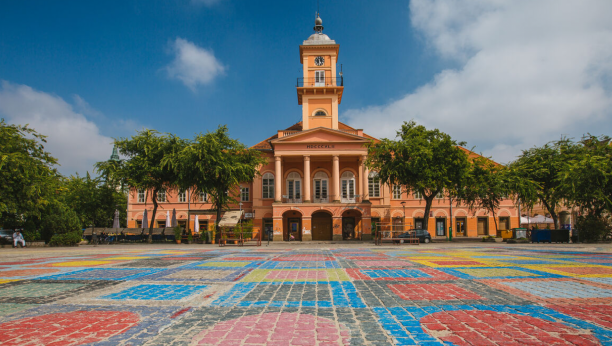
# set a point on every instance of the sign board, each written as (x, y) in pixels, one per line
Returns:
(248, 215)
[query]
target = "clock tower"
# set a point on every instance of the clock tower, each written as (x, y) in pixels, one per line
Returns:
(320, 89)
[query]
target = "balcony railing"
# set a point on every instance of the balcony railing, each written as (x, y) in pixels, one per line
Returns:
(287, 199)
(320, 82)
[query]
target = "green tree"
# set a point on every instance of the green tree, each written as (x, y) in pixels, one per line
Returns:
(586, 177)
(59, 221)
(94, 200)
(142, 167)
(488, 184)
(28, 179)
(426, 161)
(215, 164)
(541, 165)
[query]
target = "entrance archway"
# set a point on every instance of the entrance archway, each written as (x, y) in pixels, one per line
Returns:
(351, 224)
(292, 224)
(322, 226)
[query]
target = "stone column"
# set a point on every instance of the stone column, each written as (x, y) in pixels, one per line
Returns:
(366, 173)
(336, 178)
(360, 179)
(278, 179)
(307, 178)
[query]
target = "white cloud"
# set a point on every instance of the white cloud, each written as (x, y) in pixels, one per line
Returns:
(193, 65)
(530, 71)
(73, 139)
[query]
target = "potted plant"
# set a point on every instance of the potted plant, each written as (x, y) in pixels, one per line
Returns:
(189, 238)
(177, 234)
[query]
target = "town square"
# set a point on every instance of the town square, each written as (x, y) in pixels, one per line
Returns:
(305, 172)
(328, 294)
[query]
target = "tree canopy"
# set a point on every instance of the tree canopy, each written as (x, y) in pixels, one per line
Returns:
(426, 161)
(215, 164)
(142, 167)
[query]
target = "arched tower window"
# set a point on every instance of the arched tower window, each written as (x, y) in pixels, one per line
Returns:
(320, 113)
(320, 184)
(347, 182)
(294, 186)
(268, 185)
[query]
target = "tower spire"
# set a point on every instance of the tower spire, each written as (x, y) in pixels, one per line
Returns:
(318, 28)
(114, 155)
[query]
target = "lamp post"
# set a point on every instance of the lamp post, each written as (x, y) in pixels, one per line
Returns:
(404, 209)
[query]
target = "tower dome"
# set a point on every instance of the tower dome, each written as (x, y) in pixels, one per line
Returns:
(318, 24)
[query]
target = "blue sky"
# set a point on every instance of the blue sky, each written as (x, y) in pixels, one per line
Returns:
(85, 71)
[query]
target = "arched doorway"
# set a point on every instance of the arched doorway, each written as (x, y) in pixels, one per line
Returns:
(322, 226)
(351, 224)
(292, 224)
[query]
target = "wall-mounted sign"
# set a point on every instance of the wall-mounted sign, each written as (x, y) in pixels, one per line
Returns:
(248, 215)
(320, 146)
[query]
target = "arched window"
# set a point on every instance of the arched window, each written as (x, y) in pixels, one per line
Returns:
(373, 184)
(268, 185)
(347, 182)
(294, 186)
(320, 183)
(320, 113)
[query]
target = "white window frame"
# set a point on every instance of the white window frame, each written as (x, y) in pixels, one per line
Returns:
(347, 187)
(141, 195)
(397, 192)
(161, 196)
(319, 78)
(417, 195)
(294, 186)
(440, 195)
(182, 197)
(267, 183)
(320, 186)
(373, 185)
(203, 197)
(244, 194)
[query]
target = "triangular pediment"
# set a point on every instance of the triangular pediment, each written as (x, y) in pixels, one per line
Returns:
(322, 134)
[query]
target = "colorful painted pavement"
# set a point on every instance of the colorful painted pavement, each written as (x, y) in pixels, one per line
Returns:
(426, 295)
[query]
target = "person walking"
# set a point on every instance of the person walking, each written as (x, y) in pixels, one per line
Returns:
(18, 237)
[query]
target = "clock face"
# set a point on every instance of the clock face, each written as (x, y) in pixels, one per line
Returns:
(319, 60)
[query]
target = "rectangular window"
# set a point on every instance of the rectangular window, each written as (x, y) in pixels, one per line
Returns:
(440, 195)
(417, 195)
(203, 197)
(244, 194)
(268, 186)
(319, 78)
(141, 196)
(293, 189)
(182, 197)
(374, 186)
(397, 192)
(161, 196)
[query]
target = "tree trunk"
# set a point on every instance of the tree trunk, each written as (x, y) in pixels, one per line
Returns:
(428, 203)
(495, 221)
(152, 223)
(553, 214)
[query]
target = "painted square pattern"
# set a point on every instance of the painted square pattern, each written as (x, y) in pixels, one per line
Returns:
(156, 292)
(433, 292)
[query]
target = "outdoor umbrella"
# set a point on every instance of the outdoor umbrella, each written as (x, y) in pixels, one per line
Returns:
(168, 224)
(524, 220)
(116, 219)
(196, 225)
(174, 223)
(541, 219)
(145, 220)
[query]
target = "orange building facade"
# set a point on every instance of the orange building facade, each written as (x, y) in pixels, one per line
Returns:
(315, 185)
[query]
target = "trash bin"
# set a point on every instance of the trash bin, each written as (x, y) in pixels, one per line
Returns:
(506, 234)
(540, 235)
(560, 235)
(520, 233)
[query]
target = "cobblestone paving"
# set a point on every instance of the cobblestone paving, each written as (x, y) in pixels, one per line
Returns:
(412, 295)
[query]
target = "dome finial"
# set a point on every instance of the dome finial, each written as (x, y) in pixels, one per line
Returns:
(318, 24)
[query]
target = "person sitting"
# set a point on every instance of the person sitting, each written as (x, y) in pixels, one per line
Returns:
(18, 237)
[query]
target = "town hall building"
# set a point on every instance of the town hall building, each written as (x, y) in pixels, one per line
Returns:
(315, 185)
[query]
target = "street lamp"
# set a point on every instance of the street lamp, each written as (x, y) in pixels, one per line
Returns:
(404, 207)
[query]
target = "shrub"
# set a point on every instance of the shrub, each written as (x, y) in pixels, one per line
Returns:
(177, 233)
(247, 229)
(66, 239)
(592, 228)
(30, 233)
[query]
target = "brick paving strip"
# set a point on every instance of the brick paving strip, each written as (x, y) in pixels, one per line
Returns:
(307, 294)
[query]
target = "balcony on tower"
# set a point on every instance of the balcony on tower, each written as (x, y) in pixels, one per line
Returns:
(320, 84)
